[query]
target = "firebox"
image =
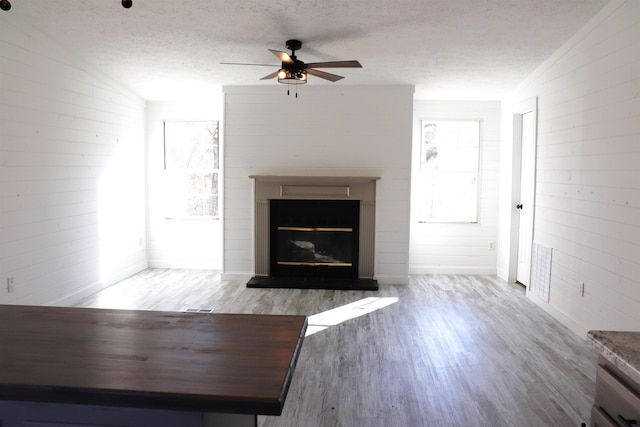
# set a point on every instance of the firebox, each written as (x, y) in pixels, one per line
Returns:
(314, 238)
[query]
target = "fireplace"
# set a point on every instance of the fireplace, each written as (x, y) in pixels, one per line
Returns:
(314, 238)
(314, 232)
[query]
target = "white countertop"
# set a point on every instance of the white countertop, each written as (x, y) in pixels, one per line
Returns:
(621, 348)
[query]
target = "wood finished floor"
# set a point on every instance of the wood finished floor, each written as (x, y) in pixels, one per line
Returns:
(455, 350)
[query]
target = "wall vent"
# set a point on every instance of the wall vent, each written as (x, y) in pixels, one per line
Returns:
(540, 271)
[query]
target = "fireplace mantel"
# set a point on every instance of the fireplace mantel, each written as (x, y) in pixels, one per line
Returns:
(276, 187)
(311, 179)
(315, 187)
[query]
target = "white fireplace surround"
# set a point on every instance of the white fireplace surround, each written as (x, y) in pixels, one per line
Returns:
(272, 187)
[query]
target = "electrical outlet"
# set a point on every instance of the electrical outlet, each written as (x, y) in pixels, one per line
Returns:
(10, 286)
(492, 246)
(581, 288)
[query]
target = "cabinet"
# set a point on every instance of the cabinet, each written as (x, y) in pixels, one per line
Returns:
(617, 397)
(617, 400)
(42, 414)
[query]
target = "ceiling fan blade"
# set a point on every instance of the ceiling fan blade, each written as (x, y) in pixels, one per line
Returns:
(324, 75)
(270, 76)
(244, 63)
(283, 56)
(335, 64)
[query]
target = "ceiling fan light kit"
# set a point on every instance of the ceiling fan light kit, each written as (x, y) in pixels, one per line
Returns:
(289, 77)
(294, 71)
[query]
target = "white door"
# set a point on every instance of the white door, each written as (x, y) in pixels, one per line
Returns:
(527, 196)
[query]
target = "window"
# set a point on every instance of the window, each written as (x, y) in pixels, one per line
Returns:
(192, 164)
(448, 177)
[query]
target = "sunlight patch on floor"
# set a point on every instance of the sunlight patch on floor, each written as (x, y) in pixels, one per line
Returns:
(321, 321)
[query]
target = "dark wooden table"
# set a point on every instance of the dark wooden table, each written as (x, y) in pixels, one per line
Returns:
(206, 363)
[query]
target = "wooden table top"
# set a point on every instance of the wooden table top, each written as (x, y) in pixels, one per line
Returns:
(235, 363)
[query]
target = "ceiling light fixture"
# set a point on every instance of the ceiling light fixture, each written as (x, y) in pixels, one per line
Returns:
(292, 77)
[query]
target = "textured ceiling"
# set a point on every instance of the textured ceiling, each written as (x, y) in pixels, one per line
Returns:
(448, 49)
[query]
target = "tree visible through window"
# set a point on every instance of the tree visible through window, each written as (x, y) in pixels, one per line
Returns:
(191, 160)
(449, 171)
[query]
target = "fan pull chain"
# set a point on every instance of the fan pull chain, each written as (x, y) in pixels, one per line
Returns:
(288, 93)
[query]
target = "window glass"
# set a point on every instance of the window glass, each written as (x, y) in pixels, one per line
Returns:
(448, 178)
(192, 166)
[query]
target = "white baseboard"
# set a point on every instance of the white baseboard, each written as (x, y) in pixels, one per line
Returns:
(453, 269)
(74, 297)
(185, 264)
(239, 276)
(125, 274)
(503, 274)
(384, 279)
(560, 316)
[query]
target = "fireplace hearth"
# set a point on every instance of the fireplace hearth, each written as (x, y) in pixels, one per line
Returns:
(314, 232)
(313, 283)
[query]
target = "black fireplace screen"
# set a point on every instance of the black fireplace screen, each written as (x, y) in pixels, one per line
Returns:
(314, 238)
(320, 246)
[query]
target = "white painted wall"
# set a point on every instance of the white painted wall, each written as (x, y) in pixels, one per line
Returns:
(440, 248)
(178, 243)
(588, 174)
(327, 131)
(71, 172)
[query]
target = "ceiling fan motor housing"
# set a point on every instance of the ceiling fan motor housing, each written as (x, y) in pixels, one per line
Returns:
(294, 66)
(293, 44)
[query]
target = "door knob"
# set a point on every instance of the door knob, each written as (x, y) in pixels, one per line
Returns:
(519, 206)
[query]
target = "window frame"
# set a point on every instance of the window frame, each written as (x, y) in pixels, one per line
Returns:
(422, 178)
(173, 172)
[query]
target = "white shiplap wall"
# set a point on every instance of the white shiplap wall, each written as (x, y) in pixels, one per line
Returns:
(460, 248)
(588, 171)
(330, 130)
(178, 243)
(71, 172)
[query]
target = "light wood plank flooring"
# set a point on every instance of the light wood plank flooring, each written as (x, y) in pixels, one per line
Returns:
(455, 350)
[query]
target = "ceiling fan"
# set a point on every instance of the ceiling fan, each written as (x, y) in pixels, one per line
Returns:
(294, 71)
